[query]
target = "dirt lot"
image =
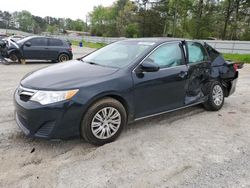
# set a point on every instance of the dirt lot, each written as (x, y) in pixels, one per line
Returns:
(188, 148)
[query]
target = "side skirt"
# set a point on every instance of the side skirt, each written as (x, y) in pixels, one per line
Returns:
(157, 114)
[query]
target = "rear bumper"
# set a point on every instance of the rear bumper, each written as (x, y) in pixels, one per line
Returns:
(233, 84)
(70, 55)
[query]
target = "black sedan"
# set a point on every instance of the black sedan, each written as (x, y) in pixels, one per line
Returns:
(39, 48)
(97, 95)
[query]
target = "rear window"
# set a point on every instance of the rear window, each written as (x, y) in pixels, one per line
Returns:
(55, 42)
(212, 52)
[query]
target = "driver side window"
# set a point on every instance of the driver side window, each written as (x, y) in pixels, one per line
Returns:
(167, 55)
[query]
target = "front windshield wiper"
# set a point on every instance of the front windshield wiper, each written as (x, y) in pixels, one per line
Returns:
(94, 63)
(90, 62)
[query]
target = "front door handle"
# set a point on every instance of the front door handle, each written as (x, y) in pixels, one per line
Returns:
(182, 74)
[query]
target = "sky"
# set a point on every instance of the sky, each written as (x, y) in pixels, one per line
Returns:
(73, 9)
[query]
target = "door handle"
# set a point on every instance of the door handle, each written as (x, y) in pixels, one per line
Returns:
(46, 48)
(182, 74)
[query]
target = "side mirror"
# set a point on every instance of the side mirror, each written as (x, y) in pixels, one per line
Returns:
(28, 44)
(149, 66)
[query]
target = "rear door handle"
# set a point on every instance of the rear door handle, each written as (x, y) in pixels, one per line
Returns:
(182, 74)
(46, 48)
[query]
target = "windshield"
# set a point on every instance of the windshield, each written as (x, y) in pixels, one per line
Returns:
(118, 54)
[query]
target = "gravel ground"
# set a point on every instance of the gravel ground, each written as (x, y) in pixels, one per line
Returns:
(186, 148)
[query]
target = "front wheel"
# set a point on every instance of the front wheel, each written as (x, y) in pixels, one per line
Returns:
(14, 58)
(215, 96)
(104, 121)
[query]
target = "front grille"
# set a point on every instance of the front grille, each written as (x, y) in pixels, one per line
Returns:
(25, 94)
(25, 97)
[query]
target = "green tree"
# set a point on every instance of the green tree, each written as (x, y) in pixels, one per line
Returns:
(132, 30)
(26, 21)
(78, 25)
(103, 21)
(52, 29)
(126, 19)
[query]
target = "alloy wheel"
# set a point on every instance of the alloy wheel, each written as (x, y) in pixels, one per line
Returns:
(106, 123)
(217, 95)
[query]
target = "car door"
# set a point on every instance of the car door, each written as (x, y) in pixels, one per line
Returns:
(198, 71)
(155, 92)
(55, 47)
(38, 49)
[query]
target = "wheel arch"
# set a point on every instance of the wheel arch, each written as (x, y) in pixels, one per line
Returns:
(208, 81)
(115, 96)
(226, 85)
(16, 52)
(121, 100)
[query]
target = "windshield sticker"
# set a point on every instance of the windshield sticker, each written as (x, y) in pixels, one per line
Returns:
(146, 43)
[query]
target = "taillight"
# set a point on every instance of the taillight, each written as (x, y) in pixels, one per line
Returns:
(235, 67)
(70, 49)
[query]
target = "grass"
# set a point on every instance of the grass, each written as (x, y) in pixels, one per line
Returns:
(245, 58)
(89, 44)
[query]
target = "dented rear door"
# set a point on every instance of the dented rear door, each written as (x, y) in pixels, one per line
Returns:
(199, 67)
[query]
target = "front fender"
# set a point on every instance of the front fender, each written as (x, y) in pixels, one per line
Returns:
(16, 51)
(126, 100)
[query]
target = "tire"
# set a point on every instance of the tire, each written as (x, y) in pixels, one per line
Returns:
(14, 57)
(99, 131)
(216, 96)
(63, 57)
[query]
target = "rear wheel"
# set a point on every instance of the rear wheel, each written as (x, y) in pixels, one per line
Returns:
(215, 96)
(104, 121)
(63, 57)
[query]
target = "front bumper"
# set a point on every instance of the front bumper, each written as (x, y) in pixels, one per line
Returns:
(55, 121)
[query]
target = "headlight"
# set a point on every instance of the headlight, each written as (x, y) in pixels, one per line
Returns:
(48, 97)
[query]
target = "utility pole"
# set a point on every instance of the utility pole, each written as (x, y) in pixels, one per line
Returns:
(6, 26)
(175, 16)
(87, 18)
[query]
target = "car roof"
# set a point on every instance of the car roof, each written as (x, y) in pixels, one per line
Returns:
(36, 36)
(160, 40)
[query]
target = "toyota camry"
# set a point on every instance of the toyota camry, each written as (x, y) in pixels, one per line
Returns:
(97, 95)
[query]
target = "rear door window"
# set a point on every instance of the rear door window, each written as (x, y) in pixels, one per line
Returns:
(55, 42)
(167, 55)
(196, 53)
(39, 42)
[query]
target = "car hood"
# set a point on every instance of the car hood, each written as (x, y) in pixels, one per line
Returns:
(68, 75)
